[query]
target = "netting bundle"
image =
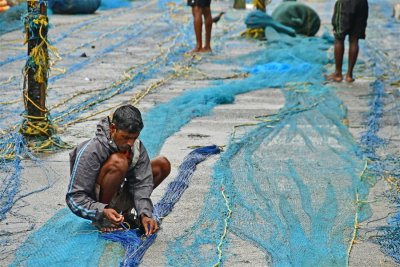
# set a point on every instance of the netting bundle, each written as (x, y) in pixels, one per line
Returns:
(74, 6)
(302, 18)
(258, 19)
(11, 19)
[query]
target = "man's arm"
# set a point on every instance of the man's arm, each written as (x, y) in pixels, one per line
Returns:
(80, 195)
(141, 186)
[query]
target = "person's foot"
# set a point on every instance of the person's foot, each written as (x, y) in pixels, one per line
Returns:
(107, 228)
(196, 50)
(349, 79)
(110, 229)
(206, 49)
(334, 77)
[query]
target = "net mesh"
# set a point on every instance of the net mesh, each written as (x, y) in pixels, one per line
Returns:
(297, 210)
(85, 246)
(381, 139)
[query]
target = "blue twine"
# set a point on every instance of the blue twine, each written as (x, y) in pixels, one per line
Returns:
(134, 246)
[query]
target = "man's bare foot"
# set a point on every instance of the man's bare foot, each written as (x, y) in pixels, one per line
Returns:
(106, 229)
(196, 50)
(110, 229)
(206, 50)
(334, 77)
(349, 79)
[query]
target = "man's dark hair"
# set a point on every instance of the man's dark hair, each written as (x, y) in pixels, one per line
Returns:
(128, 118)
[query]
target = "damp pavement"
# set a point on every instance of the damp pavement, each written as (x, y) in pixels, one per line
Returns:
(99, 51)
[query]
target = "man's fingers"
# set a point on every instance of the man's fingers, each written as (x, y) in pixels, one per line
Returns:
(147, 228)
(115, 217)
(154, 227)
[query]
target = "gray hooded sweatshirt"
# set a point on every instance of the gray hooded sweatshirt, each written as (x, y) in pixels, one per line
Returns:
(85, 163)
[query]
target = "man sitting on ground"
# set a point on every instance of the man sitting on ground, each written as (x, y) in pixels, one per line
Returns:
(111, 174)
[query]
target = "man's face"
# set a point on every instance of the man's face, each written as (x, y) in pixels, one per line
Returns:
(123, 139)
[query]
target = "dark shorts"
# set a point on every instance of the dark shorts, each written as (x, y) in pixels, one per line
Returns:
(121, 201)
(200, 3)
(350, 18)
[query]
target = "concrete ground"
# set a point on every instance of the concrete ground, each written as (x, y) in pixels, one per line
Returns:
(117, 43)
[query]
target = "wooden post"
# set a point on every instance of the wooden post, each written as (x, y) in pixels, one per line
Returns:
(36, 90)
(36, 122)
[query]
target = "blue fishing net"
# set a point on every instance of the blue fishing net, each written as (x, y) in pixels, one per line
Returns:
(258, 19)
(11, 20)
(85, 246)
(384, 111)
(297, 209)
(135, 247)
(111, 4)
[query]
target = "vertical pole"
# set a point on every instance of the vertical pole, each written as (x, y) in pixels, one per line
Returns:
(36, 90)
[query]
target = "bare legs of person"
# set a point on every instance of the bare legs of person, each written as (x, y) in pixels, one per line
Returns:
(339, 52)
(353, 54)
(198, 24)
(208, 28)
(198, 14)
(112, 175)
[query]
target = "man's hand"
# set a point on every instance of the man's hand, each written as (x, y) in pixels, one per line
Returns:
(113, 216)
(149, 224)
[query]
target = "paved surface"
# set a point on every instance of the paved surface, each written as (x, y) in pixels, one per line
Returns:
(120, 41)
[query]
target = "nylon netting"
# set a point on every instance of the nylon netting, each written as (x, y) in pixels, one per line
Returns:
(68, 109)
(291, 208)
(299, 210)
(381, 144)
(85, 246)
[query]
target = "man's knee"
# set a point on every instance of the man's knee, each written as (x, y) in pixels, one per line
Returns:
(161, 167)
(206, 11)
(197, 11)
(115, 167)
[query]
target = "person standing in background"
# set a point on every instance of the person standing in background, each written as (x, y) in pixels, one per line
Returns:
(349, 18)
(200, 9)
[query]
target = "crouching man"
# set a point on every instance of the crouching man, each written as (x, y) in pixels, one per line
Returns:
(112, 175)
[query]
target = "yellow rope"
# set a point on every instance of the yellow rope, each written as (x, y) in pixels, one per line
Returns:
(364, 169)
(10, 79)
(10, 102)
(41, 127)
(356, 225)
(225, 227)
(394, 183)
(259, 4)
(178, 71)
(355, 230)
(254, 33)
(26, 97)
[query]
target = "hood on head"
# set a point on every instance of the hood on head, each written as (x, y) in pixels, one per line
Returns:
(103, 134)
